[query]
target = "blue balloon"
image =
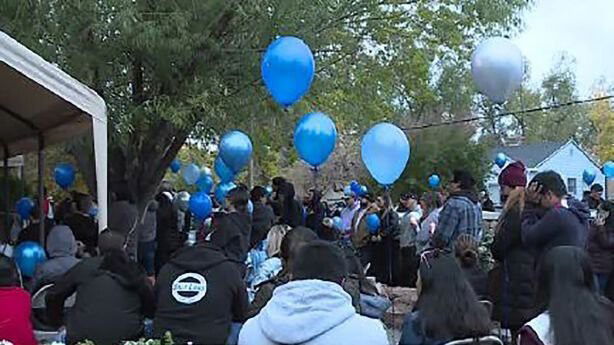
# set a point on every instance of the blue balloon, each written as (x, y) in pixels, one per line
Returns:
(355, 187)
(314, 138)
(222, 189)
(64, 175)
(287, 69)
(385, 151)
(200, 205)
(190, 174)
(235, 150)
(205, 183)
(373, 223)
(223, 171)
(589, 176)
(608, 169)
(434, 181)
(500, 160)
(27, 256)
(175, 166)
(24, 207)
(363, 190)
(338, 223)
(269, 190)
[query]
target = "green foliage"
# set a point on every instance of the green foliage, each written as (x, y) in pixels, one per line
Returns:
(17, 189)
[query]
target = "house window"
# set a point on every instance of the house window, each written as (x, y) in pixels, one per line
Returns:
(571, 186)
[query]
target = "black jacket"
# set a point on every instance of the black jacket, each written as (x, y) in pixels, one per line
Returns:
(199, 293)
(85, 230)
(113, 296)
(168, 237)
(513, 281)
(231, 234)
(262, 221)
(601, 248)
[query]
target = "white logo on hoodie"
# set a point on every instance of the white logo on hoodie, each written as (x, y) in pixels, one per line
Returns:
(189, 288)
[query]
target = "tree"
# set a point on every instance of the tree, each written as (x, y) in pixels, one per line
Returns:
(173, 70)
(602, 115)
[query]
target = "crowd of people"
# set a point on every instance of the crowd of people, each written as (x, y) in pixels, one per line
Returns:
(268, 268)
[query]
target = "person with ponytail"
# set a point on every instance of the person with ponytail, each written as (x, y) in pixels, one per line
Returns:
(466, 249)
(573, 312)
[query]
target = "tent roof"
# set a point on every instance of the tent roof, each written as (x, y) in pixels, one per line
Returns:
(38, 97)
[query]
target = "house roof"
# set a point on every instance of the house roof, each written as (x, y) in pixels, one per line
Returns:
(529, 154)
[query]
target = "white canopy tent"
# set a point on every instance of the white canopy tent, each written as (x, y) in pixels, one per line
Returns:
(40, 105)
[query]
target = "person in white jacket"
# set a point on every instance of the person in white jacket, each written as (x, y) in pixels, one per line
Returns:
(313, 309)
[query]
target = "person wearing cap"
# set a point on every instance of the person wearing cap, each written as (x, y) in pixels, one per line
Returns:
(513, 297)
(594, 198)
(461, 214)
(410, 213)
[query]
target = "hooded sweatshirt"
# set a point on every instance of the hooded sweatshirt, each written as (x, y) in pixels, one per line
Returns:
(461, 214)
(311, 312)
(62, 248)
(199, 293)
(232, 232)
(562, 225)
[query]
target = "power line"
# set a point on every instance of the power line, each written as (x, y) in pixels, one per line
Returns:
(509, 113)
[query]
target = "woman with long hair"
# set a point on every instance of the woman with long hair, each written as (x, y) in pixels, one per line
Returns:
(447, 307)
(431, 204)
(387, 245)
(573, 312)
(512, 281)
(291, 212)
(601, 244)
(466, 251)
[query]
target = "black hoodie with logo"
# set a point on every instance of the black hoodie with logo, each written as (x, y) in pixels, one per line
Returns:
(200, 292)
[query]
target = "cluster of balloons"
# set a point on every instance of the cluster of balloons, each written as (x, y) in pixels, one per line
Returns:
(500, 160)
(355, 188)
(608, 169)
(497, 68)
(64, 174)
(385, 152)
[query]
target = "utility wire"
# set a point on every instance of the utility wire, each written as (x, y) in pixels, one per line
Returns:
(509, 113)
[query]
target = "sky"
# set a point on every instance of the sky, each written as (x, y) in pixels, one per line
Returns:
(582, 28)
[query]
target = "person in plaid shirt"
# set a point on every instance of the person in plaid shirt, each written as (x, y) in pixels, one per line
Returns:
(461, 214)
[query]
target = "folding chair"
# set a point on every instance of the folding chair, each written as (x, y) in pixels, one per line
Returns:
(488, 340)
(42, 331)
(488, 305)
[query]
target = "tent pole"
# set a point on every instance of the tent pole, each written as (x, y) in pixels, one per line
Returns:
(7, 203)
(41, 188)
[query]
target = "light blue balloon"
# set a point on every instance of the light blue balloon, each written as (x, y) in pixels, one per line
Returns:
(235, 150)
(190, 174)
(28, 255)
(24, 207)
(608, 169)
(338, 223)
(363, 190)
(64, 174)
(287, 69)
(347, 191)
(175, 166)
(373, 223)
(250, 207)
(205, 183)
(269, 190)
(385, 152)
(314, 138)
(589, 176)
(500, 160)
(223, 172)
(222, 190)
(434, 181)
(200, 205)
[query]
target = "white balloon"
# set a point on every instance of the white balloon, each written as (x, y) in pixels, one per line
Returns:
(497, 68)
(190, 173)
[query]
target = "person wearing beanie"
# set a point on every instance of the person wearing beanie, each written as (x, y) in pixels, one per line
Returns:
(513, 298)
(313, 308)
(461, 214)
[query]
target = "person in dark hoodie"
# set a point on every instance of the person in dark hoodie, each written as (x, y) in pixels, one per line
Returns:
(262, 216)
(291, 212)
(200, 292)
(232, 228)
(315, 211)
(62, 248)
(82, 224)
(550, 217)
(601, 244)
(169, 238)
(113, 295)
(461, 213)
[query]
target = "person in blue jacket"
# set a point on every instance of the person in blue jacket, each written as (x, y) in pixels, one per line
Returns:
(447, 308)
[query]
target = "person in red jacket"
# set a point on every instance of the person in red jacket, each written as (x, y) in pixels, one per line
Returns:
(15, 325)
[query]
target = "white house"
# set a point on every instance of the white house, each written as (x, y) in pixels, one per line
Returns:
(566, 158)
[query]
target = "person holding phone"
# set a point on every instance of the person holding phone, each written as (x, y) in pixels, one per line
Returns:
(551, 218)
